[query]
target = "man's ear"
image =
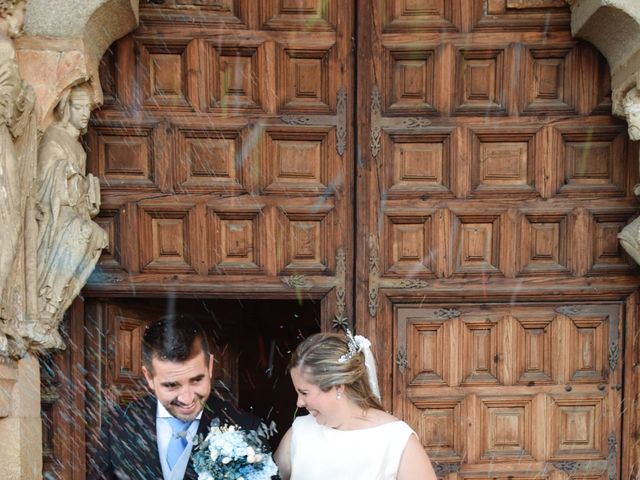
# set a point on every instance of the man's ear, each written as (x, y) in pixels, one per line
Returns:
(210, 366)
(148, 377)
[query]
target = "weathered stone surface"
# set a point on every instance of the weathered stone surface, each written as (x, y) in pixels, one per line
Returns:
(64, 66)
(97, 23)
(69, 242)
(74, 34)
(613, 26)
(69, 18)
(8, 377)
(21, 431)
(18, 143)
(535, 3)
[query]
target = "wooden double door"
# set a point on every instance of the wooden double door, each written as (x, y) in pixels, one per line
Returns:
(445, 175)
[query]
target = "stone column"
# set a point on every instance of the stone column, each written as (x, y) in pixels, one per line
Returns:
(20, 422)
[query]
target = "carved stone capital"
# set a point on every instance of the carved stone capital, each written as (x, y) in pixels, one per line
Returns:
(64, 42)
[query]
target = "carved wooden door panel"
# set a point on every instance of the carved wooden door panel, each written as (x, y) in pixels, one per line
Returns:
(525, 391)
(491, 187)
(224, 152)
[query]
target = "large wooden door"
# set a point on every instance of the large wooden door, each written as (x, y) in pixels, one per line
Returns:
(490, 184)
(491, 187)
(224, 152)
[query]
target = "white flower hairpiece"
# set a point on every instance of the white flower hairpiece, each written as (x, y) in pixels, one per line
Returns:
(355, 345)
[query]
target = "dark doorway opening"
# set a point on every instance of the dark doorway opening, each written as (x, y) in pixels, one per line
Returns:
(251, 341)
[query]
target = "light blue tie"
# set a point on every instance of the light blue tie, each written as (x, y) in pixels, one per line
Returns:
(178, 441)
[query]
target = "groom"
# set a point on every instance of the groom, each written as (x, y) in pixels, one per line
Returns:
(152, 438)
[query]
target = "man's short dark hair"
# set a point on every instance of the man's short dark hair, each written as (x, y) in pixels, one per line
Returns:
(175, 338)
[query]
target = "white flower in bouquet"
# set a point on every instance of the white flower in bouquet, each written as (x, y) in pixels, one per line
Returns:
(228, 452)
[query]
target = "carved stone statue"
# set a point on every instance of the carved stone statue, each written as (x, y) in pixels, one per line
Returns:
(18, 143)
(69, 242)
(630, 235)
(630, 239)
(631, 108)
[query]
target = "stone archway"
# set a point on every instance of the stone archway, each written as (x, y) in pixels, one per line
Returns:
(613, 27)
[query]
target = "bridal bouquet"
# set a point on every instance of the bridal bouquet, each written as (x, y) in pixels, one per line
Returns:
(228, 452)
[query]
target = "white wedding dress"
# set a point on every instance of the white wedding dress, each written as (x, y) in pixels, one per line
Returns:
(323, 453)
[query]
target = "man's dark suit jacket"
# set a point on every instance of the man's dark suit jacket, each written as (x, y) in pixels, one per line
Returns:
(129, 449)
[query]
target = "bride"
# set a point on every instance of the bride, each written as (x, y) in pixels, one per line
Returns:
(347, 434)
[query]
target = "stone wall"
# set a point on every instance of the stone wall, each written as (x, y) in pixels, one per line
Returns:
(63, 45)
(20, 422)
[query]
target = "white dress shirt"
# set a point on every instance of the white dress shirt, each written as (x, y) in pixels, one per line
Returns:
(163, 432)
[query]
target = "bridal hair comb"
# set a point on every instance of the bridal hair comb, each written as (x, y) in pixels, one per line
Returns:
(355, 345)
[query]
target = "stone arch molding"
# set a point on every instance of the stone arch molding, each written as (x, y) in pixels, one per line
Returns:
(64, 42)
(613, 27)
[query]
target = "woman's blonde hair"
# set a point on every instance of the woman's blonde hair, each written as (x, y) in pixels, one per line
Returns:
(319, 358)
